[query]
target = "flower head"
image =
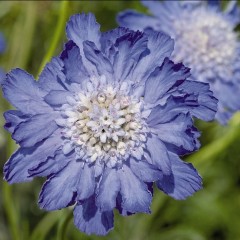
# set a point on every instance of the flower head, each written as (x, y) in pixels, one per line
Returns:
(205, 41)
(107, 118)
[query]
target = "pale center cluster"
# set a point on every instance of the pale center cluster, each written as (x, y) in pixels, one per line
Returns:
(206, 42)
(104, 125)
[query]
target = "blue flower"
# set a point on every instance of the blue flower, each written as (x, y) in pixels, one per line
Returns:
(205, 41)
(107, 118)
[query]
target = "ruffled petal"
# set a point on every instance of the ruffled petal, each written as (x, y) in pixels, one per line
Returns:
(163, 78)
(109, 38)
(180, 133)
(52, 77)
(160, 46)
(86, 183)
(82, 27)
(134, 192)
(205, 104)
(16, 168)
(13, 119)
(57, 98)
(108, 189)
(95, 56)
(23, 92)
(73, 68)
(183, 182)
(59, 191)
(189, 97)
(159, 154)
(34, 130)
(89, 219)
(52, 165)
(130, 47)
(144, 171)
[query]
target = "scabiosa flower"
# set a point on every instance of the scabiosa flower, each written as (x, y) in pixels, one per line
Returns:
(205, 41)
(107, 118)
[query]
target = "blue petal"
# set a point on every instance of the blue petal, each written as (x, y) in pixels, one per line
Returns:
(168, 11)
(131, 47)
(52, 77)
(163, 78)
(82, 27)
(144, 171)
(108, 189)
(160, 46)
(73, 68)
(136, 21)
(205, 106)
(134, 192)
(178, 132)
(98, 169)
(34, 130)
(59, 191)
(22, 91)
(95, 56)
(86, 183)
(109, 38)
(163, 9)
(52, 165)
(16, 168)
(89, 219)
(159, 154)
(214, 3)
(224, 92)
(57, 97)
(223, 115)
(199, 102)
(183, 182)
(13, 119)
(233, 11)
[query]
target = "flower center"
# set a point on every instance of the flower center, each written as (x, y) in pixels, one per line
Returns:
(206, 42)
(104, 125)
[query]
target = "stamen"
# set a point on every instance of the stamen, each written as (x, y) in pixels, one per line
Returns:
(105, 125)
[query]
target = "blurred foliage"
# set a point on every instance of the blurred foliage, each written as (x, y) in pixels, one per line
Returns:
(32, 30)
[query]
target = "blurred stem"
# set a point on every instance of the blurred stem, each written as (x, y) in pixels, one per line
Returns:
(215, 148)
(63, 224)
(144, 222)
(56, 36)
(44, 226)
(10, 211)
(23, 32)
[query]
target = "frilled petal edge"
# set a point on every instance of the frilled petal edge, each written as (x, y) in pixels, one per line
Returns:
(183, 182)
(89, 219)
